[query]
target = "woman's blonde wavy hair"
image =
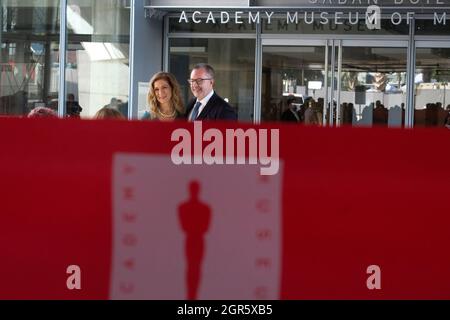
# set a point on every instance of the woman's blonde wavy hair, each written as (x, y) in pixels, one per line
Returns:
(177, 101)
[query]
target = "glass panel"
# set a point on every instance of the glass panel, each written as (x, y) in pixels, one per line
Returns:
(432, 89)
(233, 61)
(218, 25)
(373, 86)
(296, 72)
(97, 72)
(315, 24)
(29, 35)
(433, 27)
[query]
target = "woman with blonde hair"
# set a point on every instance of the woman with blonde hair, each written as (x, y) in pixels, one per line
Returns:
(164, 98)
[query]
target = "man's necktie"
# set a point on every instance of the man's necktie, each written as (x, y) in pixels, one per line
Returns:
(195, 112)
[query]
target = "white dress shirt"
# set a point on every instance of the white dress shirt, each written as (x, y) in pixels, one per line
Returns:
(204, 102)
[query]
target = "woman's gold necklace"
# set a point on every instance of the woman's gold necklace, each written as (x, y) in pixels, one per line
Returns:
(165, 115)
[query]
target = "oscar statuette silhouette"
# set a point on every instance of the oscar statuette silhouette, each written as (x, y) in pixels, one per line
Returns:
(194, 217)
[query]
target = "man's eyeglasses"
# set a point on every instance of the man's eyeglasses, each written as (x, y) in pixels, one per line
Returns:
(197, 81)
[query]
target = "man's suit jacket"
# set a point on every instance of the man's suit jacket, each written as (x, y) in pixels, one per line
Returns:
(289, 116)
(215, 109)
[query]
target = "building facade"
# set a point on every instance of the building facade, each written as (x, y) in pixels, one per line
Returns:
(344, 62)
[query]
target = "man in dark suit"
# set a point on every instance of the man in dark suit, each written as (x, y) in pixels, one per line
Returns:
(73, 108)
(207, 105)
(290, 114)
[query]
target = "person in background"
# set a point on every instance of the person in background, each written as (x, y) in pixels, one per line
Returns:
(312, 116)
(73, 108)
(108, 113)
(42, 112)
(290, 114)
(447, 118)
(164, 98)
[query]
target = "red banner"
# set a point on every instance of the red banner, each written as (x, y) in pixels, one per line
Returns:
(99, 210)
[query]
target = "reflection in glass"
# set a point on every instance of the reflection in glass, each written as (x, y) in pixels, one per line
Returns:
(97, 71)
(175, 26)
(293, 72)
(313, 24)
(373, 86)
(233, 61)
(432, 27)
(29, 59)
(432, 88)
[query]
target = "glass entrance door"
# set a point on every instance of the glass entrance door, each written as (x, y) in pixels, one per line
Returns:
(372, 83)
(432, 84)
(368, 87)
(293, 81)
